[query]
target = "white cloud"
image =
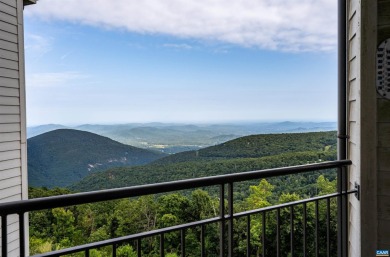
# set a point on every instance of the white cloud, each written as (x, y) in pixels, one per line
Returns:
(38, 45)
(178, 46)
(53, 79)
(287, 25)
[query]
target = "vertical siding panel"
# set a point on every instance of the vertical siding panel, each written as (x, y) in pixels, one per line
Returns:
(9, 137)
(353, 114)
(9, 118)
(12, 56)
(353, 47)
(353, 6)
(11, 127)
(354, 133)
(23, 123)
(353, 86)
(13, 168)
(353, 69)
(9, 9)
(9, 164)
(9, 2)
(9, 155)
(7, 91)
(353, 90)
(9, 19)
(10, 173)
(6, 183)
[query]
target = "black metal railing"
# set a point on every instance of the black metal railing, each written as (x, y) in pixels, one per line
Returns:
(225, 221)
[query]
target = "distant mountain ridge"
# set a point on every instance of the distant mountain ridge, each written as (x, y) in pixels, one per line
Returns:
(38, 130)
(64, 156)
(255, 146)
(173, 138)
(243, 154)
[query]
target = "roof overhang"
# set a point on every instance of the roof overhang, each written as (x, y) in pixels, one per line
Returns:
(28, 2)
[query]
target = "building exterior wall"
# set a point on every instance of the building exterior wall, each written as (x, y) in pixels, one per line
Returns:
(362, 118)
(383, 137)
(13, 168)
(353, 86)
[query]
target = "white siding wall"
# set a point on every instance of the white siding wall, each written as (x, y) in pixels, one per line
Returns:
(361, 89)
(13, 173)
(353, 85)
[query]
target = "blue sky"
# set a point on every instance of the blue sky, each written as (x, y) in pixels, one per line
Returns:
(180, 61)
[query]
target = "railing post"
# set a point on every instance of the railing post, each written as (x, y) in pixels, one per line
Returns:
(4, 245)
(278, 232)
(162, 249)
(248, 237)
(345, 209)
(342, 212)
(22, 238)
(304, 230)
(139, 247)
(230, 209)
(292, 231)
(222, 223)
(342, 180)
(183, 242)
(202, 243)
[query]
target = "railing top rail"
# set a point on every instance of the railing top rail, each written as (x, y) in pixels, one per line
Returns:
(118, 193)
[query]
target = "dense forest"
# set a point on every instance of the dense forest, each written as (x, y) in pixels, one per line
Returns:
(64, 227)
(240, 155)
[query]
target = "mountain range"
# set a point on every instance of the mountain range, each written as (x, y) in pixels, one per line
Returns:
(173, 138)
(254, 152)
(64, 156)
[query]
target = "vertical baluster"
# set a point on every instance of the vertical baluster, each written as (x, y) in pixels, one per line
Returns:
(278, 232)
(342, 224)
(183, 242)
(162, 250)
(222, 223)
(22, 246)
(328, 227)
(139, 247)
(317, 230)
(248, 237)
(202, 246)
(4, 245)
(114, 250)
(263, 230)
(304, 229)
(345, 212)
(292, 230)
(230, 209)
(87, 253)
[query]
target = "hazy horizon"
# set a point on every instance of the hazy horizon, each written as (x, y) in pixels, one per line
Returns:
(200, 123)
(180, 61)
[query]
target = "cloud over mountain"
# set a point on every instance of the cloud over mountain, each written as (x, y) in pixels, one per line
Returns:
(284, 25)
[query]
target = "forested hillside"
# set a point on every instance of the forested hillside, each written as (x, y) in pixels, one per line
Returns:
(62, 157)
(66, 227)
(244, 154)
(255, 146)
